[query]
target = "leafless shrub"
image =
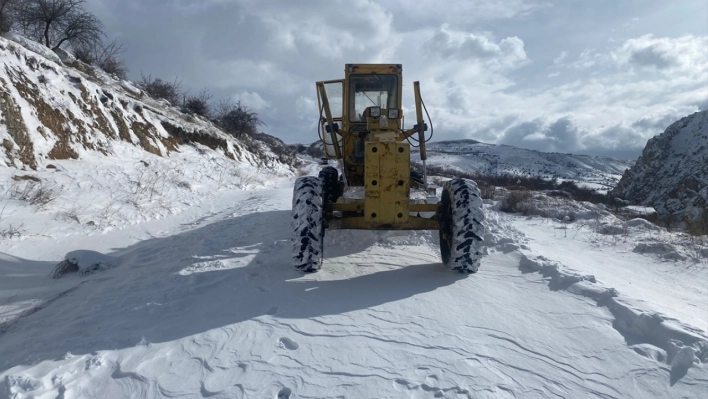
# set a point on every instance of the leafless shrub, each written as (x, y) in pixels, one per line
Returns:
(236, 119)
(487, 191)
(699, 226)
(73, 214)
(147, 183)
(12, 231)
(37, 194)
(104, 56)
(63, 268)
(669, 222)
(247, 178)
(158, 88)
(107, 213)
(516, 201)
(199, 104)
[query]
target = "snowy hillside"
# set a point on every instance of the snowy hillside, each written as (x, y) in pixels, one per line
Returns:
(672, 173)
(53, 112)
(205, 303)
(470, 155)
(103, 154)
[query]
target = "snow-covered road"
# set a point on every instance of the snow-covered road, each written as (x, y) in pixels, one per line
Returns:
(210, 307)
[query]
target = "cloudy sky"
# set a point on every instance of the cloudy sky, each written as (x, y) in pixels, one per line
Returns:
(586, 76)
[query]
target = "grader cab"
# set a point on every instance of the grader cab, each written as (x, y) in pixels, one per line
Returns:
(374, 186)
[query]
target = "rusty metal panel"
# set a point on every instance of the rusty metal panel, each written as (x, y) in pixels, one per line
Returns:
(387, 184)
(402, 184)
(387, 181)
(372, 188)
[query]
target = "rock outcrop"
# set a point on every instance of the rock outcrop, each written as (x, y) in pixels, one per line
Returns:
(671, 175)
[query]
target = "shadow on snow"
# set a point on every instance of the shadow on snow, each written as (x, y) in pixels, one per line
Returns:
(224, 273)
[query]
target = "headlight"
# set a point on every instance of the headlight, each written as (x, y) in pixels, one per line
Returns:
(393, 113)
(375, 112)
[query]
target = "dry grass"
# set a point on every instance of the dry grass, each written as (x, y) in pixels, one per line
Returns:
(38, 194)
(26, 177)
(12, 231)
(698, 227)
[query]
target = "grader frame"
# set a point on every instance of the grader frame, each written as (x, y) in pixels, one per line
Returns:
(366, 136)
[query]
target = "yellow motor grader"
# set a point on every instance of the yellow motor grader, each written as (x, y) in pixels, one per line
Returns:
(374, 186)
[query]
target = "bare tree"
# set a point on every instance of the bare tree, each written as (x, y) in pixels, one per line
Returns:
(158, 88)
(237, 119)
(6, 10)
(55, 22)
(105, 56)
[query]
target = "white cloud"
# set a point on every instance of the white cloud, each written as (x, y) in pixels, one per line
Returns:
(687, 54)
(436, 11)
(487, 68)
(631, 22)
(588, 58)
(252, 99)
(453, 44)
(561, 57)
(306, 108)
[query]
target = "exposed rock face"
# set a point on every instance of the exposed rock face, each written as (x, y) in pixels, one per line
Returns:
(672, 173)
(52, 111)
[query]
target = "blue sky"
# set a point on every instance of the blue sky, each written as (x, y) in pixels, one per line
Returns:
(598, 77)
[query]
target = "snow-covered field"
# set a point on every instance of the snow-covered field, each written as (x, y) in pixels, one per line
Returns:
(600, 173)
(197, 298)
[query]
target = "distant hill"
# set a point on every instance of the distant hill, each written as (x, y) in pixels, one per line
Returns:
(671, 175)
(602, 173)
(468, 155)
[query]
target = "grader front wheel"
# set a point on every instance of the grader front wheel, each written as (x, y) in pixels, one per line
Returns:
(307, 223)
(461, 226)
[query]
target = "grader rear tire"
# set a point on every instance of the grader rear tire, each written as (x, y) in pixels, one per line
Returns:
(330, 183)
(307, 223)
(461, 227)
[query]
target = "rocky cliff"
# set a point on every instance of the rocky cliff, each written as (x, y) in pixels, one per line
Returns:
(671, 175)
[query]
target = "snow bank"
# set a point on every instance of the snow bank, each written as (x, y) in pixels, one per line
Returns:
(641, 224)
(682, 347)
(560, 208)
(663, 249)
(33, 46)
